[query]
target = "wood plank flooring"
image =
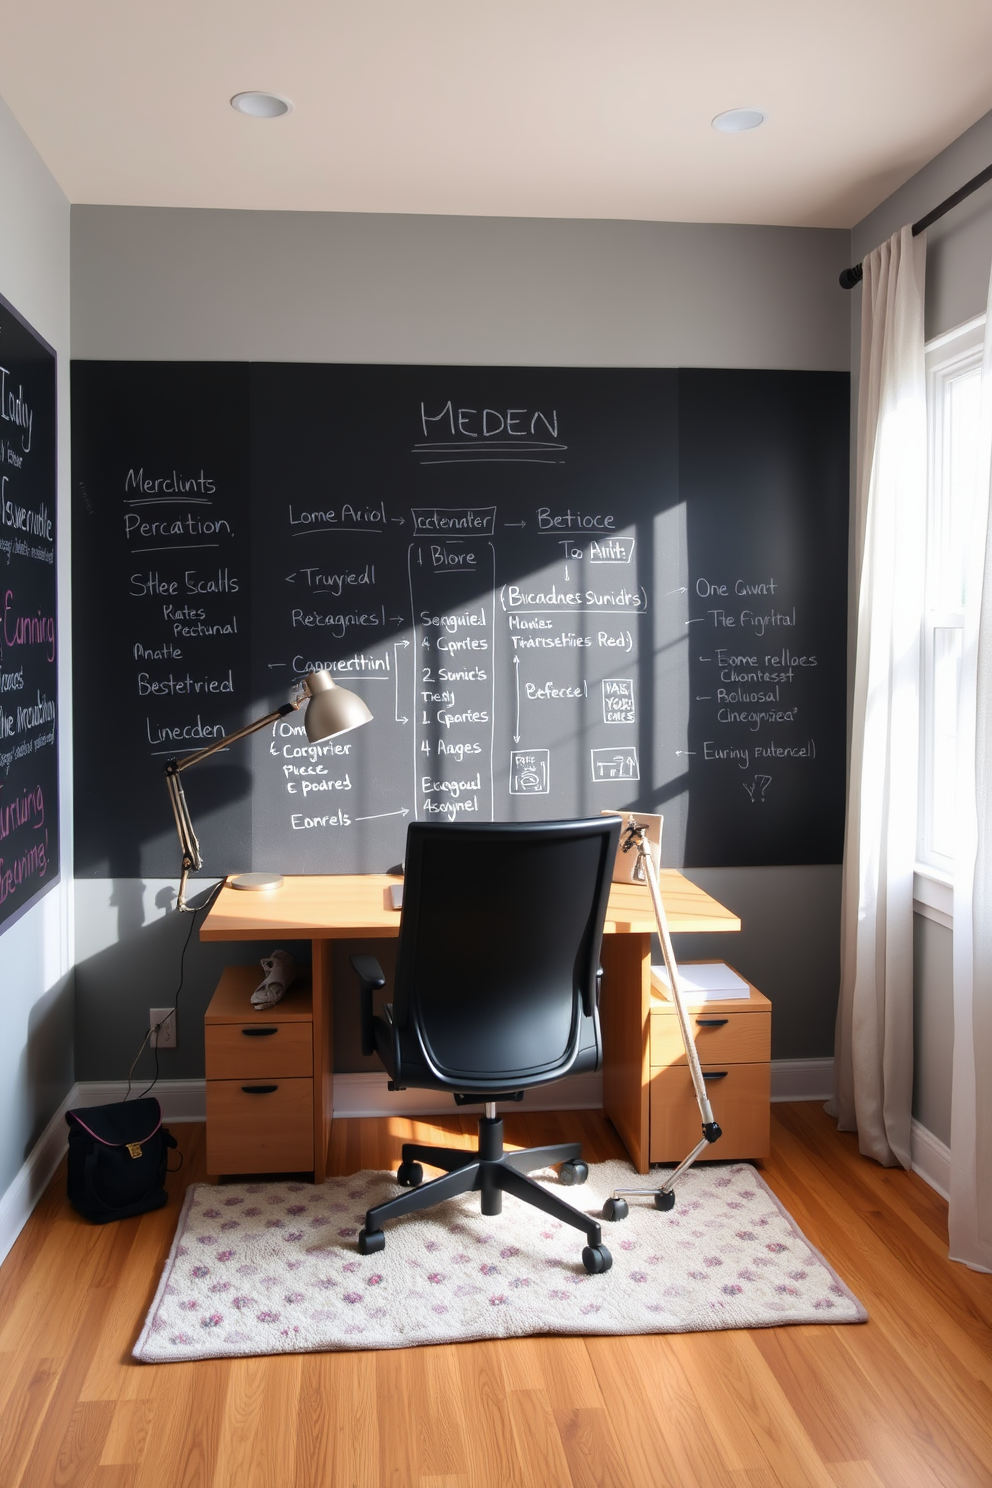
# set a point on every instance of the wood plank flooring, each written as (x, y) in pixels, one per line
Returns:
(904, 1400)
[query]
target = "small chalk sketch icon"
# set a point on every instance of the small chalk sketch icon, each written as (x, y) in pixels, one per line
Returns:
(614, 764)
(618, 700)
(530, 772)
(757, 787)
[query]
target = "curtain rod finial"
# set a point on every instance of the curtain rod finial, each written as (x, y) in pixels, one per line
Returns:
(850, 277)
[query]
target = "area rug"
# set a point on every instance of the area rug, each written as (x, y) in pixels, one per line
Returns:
(267, 1268)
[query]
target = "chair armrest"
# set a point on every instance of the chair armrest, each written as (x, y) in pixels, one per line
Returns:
(589, 1004)
(370, 979)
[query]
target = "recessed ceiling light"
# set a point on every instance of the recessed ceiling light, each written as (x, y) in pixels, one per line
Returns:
(261, 105)
(736, 121)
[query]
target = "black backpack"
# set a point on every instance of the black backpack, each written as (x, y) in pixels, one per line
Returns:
(118, 1157)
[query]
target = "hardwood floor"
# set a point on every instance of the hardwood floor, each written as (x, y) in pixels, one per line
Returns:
(904, 1400)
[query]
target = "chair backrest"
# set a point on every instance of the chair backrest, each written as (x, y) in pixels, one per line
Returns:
(499, 948)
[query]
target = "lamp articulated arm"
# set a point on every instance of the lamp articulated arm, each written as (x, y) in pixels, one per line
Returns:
(330, 710)
(192, 862)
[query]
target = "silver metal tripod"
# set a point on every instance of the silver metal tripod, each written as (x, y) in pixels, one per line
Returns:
(616, 1207)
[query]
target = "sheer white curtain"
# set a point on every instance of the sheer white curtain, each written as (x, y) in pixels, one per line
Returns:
(971, 1098)
(874, 1044)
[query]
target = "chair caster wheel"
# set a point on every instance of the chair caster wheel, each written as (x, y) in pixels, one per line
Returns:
(615, 1209)
(596, 1259)
(410, 1174)
(573, 1172)
(371, 1241)
(664, 1201)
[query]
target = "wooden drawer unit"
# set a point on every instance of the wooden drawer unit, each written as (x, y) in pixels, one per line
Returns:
(733, 1041)
(260, 1087)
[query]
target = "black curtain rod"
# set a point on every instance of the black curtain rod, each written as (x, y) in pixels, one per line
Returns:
(850, 277)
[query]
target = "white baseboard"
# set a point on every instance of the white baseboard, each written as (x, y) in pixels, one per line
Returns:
(802, 1079)
(931, 1159)
(34, 1177)
(181, 1100)
(365, 1094)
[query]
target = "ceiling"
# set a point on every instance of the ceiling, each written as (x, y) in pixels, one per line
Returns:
(534, 108)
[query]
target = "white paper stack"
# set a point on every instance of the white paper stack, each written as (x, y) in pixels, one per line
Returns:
(702, 981)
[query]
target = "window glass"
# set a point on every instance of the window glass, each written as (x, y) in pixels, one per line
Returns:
(953, 391)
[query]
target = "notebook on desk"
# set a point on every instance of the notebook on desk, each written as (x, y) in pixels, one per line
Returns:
(702, 981)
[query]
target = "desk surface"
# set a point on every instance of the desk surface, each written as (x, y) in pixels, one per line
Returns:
(352, 906)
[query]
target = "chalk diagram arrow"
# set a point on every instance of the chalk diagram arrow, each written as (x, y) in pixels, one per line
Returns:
(403, 811)
(698, 621)
(396, 706)
(516, 675)
(276, 664)
(681, 590)
(402, 521)
(514, 524)
(685, 751)
(291, 578)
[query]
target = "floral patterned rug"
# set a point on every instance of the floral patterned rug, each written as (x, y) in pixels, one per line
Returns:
(267, 1268)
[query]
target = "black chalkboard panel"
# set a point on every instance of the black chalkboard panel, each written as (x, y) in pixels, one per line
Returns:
(505, 563)
(160, 608)
(763, 469)
(29, 781)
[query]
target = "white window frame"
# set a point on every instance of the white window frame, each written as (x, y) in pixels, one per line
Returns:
(948, 356)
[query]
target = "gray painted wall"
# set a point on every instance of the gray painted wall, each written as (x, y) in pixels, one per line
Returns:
(36, 951)
(959, 259)
(959, 246)
(165, 284)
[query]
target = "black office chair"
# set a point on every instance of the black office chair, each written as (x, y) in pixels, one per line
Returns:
(496, 991)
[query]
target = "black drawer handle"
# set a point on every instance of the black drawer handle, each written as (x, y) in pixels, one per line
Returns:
(715, 1074)
(711, 1022)
(259, 1089)
(258, 1032)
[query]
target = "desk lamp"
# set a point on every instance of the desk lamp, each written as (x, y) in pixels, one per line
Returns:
(331, 710)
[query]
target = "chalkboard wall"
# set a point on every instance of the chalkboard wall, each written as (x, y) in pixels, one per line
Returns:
(558, 590)
(29, 796)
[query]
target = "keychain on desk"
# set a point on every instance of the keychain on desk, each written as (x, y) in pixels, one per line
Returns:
(664, 1197)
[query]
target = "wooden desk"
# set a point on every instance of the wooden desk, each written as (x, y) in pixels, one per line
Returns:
(323, 909)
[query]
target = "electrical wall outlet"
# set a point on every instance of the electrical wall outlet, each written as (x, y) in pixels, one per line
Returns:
(164, 1020)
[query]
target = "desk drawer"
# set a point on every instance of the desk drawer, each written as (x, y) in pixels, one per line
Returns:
(264, 1128)
(275, 1049)
(734, 1038)
(740, 1098)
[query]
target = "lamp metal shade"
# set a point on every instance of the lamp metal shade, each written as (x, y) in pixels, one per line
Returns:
(331, 709)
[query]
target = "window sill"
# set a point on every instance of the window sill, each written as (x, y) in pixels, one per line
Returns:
(933, 895)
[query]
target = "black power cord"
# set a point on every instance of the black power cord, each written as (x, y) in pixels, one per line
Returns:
(175, 1001)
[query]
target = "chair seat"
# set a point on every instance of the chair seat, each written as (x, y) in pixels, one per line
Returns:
(419, 1077)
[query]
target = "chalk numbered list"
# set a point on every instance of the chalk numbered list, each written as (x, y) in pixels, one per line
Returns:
(29, 641)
